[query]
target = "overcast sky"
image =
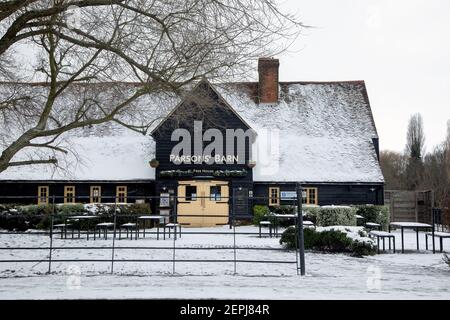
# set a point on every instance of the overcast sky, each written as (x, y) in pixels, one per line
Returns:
(400, 48)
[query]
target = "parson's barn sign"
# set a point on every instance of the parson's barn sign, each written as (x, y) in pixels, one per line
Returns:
(219, 153)
(233, 143)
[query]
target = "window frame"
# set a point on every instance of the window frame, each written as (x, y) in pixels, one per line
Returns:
(308, 196)
(72, 197)
(125, 194)
(91, 193)
(217, 196)
(188, 197)
(271, 197)
(46, 188)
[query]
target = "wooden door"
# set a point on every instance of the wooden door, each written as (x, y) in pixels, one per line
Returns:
(203, 203)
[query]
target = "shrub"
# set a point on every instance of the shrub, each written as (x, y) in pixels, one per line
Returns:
(260, 213)
(284, 209)
(311, 212)
(377, 214)
(66, 209)
(335, 241)
(135, 208)
(288, 238)
(336, 215)
(35, 209)
(361, 248)
(332, 241)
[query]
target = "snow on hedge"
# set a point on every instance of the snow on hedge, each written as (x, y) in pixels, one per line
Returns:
(354, 233)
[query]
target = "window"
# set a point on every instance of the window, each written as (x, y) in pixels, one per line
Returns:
(191, 193)
(69, 194)
(96, 194)
(310, 196)
(215, 193)
(274, 196)
(42, 194)
(121, 194)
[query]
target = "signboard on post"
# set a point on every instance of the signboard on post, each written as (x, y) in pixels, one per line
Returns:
(164, 200)
(288, 195)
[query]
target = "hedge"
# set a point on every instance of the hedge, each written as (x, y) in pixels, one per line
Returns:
(260, 213)
(331, 241)
(377, 214)
(336, 216)
(22, 218)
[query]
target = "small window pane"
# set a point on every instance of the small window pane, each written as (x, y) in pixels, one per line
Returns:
(215, 193)
(191, 193)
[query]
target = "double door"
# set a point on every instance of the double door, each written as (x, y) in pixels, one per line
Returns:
(203, 203)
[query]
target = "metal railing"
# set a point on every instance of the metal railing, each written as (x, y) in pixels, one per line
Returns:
(89, 227)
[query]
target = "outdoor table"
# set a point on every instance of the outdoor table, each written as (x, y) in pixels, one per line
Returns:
(265, 223)
(82, 218)
(410, 225)
(104, 226)
(173, 226)
(63, 227)
(383, 235)
(129, 228)
(145, 218)
(285, 216)
(373, 225)
(440, 235)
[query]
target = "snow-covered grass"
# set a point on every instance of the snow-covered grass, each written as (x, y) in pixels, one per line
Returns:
(412, 275)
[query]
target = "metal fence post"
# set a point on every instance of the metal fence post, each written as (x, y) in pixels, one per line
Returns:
(301, 243)
(114, 236)
(51, 235)
(433, 226)
(175, 221)
(233, 221)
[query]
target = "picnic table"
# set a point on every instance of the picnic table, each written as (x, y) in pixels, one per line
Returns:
(383, 235)
(63, 228)
(150, 217)
(129, 227)
(103, 226)
(288, 216)
(417, 226)
(173, 226)
(78, 218)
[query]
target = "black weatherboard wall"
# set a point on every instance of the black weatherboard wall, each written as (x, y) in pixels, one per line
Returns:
(205, 105)
(26, 192)
(328, 194)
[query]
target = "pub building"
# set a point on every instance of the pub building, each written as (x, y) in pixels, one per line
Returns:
(221, 149)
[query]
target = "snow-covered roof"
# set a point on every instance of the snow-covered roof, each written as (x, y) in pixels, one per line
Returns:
(317, 132)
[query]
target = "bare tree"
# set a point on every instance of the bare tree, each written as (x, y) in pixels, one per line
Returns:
(415, 149)
(393, 165)
(415, 137)
(436, 176)
(163, 45)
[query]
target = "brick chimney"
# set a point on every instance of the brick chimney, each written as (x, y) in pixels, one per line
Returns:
(268, 80)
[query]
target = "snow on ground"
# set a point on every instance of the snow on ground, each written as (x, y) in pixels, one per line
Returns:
(413, 275)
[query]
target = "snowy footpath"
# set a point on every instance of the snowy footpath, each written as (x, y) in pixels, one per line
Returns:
(412, 275)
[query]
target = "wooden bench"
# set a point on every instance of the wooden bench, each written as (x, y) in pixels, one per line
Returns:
(440, 235)
(63, 227)
(173, 226)
(267, 224)
(373, 225)
(102, 227)
(383, 235)
(129, 227)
